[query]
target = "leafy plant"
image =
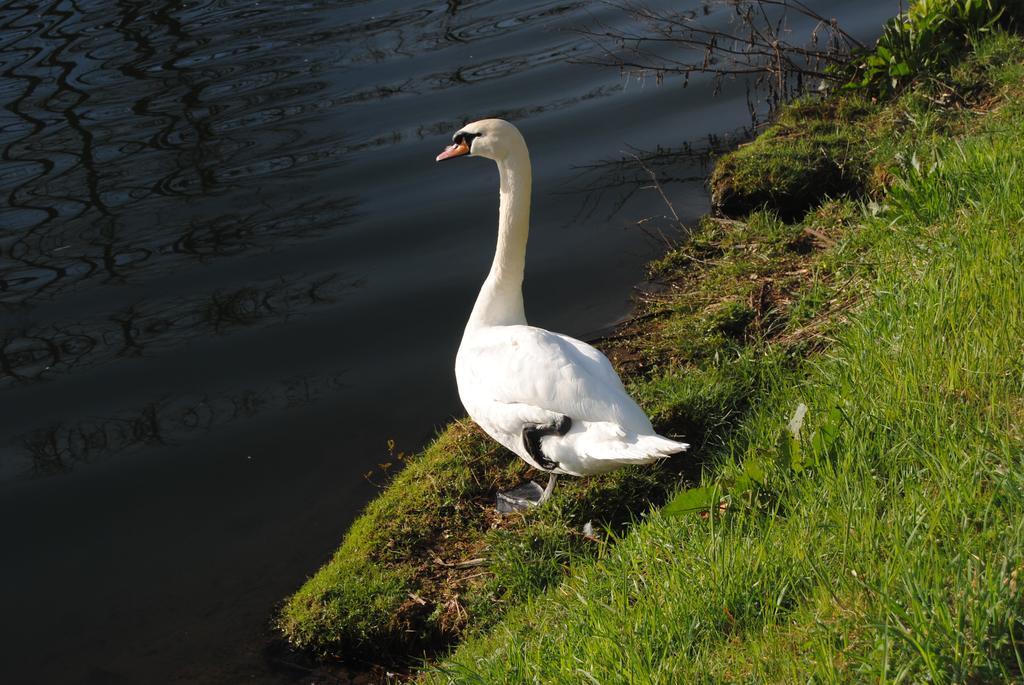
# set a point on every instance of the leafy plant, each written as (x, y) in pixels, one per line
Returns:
(926, 39)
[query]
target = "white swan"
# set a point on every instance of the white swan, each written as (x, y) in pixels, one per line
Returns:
(553, 400)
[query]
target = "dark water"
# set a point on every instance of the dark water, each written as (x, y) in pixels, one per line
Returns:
(230, 272)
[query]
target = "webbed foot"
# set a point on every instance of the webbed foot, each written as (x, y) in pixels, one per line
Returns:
(521, 497)
(524, 496)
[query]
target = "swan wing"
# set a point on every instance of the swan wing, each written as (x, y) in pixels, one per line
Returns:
(531, 366)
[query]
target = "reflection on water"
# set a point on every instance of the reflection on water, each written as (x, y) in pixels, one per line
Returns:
(165, 134)
(56, 448)
(149, 327)
(230, 271)
(112, 122)
(610, 184)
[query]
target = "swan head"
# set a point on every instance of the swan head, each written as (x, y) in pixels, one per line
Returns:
(491, 138)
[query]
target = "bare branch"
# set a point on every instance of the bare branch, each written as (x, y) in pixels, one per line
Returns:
(728, 38)
(661, 191)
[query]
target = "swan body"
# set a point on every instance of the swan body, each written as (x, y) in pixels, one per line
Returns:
(553, 400)
(515, 376)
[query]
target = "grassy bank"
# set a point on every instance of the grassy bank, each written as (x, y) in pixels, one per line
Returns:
(880, 536)
(882, 540)
(431, 561)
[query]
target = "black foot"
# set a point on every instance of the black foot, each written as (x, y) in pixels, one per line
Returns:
(532, 433)
(527, 495)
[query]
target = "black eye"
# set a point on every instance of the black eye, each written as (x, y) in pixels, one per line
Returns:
(464, 137)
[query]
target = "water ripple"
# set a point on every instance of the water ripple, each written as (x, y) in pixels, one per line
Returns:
(110, 116)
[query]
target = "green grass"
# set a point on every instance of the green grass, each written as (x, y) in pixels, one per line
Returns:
(850, 145)
(884, 543)
(391, 590)
(814, 150)
(926, 39)
(397, 588)
(757, 316)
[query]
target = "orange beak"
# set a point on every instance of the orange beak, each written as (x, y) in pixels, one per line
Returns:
(453, 150)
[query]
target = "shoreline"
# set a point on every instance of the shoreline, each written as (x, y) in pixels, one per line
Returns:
(748, 306)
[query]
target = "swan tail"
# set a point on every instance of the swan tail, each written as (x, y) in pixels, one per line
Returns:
(610, 446)
(640, 449)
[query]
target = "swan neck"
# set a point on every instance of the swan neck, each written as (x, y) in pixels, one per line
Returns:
(501, 298)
